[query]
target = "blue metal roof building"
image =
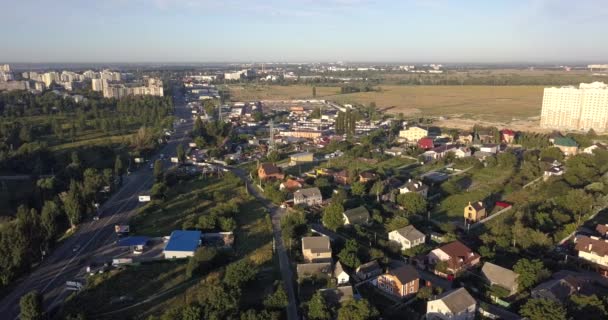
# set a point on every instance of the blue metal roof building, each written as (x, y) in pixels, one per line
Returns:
(182, 244)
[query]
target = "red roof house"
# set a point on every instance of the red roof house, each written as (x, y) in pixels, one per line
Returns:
(426, 143)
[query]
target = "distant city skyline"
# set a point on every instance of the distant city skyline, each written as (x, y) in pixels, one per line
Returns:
(190, 31)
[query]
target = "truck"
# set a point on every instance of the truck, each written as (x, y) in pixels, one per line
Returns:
(74, 285)
(144, 198)
(139, 160)
(121, 261)
(174, 160)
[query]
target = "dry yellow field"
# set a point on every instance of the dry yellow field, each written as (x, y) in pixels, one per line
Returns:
(489, 103)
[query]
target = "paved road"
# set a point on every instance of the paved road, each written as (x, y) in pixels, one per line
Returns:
(65, 263)
(275, 213)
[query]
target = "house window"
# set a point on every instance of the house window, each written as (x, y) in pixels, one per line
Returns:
(411, 289)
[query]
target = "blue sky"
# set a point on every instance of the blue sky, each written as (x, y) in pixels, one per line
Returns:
(304, 30)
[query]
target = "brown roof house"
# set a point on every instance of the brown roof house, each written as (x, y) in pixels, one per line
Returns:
(408, 237)
(496, 275)
(308, 197)
(316, 249)
(342, 177)
(456, 257)
(401, 281)
(358, 215)
(367, 176)
(290, 185)
(602, 229)
(368, 270)
(594, 250)
(474, 212)
(456, 304)
(268, 171)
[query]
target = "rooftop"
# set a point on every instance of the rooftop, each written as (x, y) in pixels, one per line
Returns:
(183, 240)
(458, 300)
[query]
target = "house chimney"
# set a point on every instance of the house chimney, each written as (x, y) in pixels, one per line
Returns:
(590, 246)
(409, 180)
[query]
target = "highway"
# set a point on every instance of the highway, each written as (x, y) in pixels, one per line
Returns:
(67, 262)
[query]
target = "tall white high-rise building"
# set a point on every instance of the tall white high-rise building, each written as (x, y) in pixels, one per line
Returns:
(97, 84)
(574, 108)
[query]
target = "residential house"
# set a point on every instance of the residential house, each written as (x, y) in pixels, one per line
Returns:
(462, 152)
(290, 185)
(594, 250)
(426, 143)
(452, 305)
(439, 152)
(499, 276)
(457, 257)
(394, 151)
(268, 171)
(316, 269)
(489, 148)
(482, 155)
(358, 215)
(553, 171)
(401, 281)
(567, 145)
(367, 176)
(555, 135)
(337, 296)
(368, 270)
(408, 237)
(316, 249)
(308, 197)
(341, 276)
(560, 289)
(602, 229)
(590, 149)
(474, 212)
(300, 158)
(342, 177)
(415, 186)
(413, 134)
(507, 136)
(465, 138)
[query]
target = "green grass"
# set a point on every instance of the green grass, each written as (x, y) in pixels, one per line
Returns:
(186, 200)
(135, 282)
(485, 182)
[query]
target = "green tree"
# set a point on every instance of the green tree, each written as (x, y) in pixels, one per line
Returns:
(377, 189)
(72, 203)
(332, 216)
(357, 189)
(240, 272)
(181, 154)
(48, 220)
(158, 170)
(541, 309)
(412, 202)
(424, 293)
(357, 310)
(317, 308)
(118, 167)
(192, 312)
(31, 306)
(202, 261)
(530, 272)
(586, 307)
(349, 255)
(277, 300)
(398, 222)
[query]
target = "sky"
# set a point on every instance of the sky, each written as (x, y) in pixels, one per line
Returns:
(441, 31)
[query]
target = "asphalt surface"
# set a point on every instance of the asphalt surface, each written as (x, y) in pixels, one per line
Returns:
(68, 261)
(276, 213)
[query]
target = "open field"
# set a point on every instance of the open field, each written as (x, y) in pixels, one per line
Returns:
(485, 103)
(276, 92)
